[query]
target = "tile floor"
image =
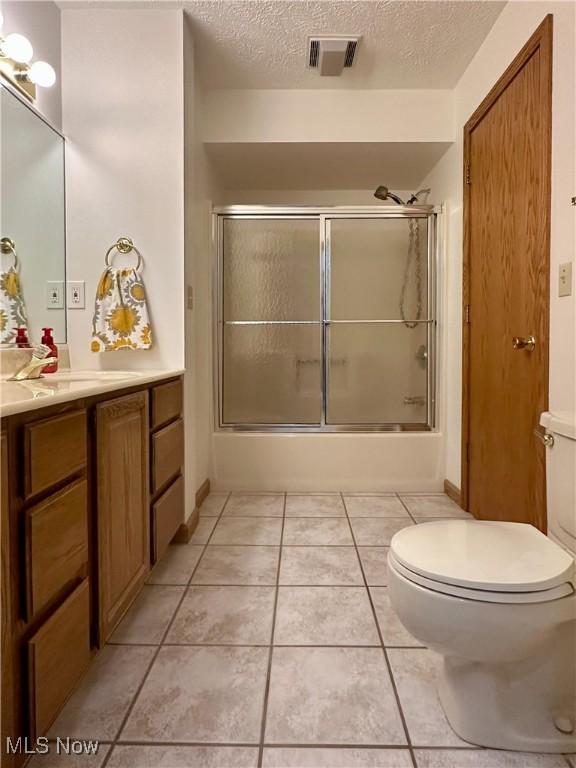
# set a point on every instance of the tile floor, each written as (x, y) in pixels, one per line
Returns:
(269, 640)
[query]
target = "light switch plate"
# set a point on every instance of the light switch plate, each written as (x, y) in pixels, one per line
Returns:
(76, 294)
(565, 279)
(54, 294)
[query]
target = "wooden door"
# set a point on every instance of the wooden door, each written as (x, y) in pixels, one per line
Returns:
(506, 289)
(123, 516)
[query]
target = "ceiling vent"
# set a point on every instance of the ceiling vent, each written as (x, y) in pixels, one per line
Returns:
(330, 54)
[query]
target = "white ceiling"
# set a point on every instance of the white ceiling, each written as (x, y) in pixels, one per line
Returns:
(323, 165)
(249, 44)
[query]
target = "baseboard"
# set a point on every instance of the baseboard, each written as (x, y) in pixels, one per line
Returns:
(452, 492)
(185, 531)
(202, 493)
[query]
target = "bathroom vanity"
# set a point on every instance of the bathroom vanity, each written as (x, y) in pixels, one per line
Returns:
(92, 494)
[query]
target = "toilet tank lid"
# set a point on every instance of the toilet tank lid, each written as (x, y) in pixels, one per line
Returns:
(560, 423)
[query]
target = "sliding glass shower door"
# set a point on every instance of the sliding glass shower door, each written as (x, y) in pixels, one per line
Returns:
(325, 320)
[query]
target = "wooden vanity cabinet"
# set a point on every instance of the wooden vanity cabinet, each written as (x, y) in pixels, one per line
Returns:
(91, 490)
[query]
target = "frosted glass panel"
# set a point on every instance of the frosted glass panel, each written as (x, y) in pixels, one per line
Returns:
(271, 269)
(370, 264)
(377, 374)
(272, 374)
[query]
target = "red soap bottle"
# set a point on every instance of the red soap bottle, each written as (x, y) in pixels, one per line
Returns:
(22, 338)
(49, 341)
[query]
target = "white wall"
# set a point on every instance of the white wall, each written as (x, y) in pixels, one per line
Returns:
(512, 29)
(39, 21)
(123, 117)
(327, 116)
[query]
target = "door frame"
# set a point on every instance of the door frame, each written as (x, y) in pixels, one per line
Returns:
(541, 41)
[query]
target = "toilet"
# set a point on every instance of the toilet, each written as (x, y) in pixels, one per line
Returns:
(497, 600)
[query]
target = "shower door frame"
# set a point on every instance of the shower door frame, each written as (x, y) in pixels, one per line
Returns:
(323, 215)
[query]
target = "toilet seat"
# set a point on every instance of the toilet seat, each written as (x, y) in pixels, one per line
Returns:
(483, 560)
(481, 595)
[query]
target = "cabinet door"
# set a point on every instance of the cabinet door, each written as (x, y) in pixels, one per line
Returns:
(123, 518)
(6, 642)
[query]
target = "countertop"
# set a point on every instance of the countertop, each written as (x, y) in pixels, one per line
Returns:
(68, 385)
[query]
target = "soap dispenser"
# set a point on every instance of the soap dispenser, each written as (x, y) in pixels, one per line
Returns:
(48, 339)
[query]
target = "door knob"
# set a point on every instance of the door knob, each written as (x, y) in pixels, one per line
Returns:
(524, 342)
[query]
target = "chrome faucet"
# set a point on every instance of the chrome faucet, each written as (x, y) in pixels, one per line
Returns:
(33, 368)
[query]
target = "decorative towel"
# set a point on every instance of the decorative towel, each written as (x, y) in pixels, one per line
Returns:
(12, 307)
(120, 312)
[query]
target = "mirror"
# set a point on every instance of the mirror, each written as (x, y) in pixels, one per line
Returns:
(32, 217)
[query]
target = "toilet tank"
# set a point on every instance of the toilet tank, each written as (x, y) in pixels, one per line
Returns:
(561, 477)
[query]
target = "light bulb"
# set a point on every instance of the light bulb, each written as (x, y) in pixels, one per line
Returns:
(1, 19)
(18, 48)
(41, 73)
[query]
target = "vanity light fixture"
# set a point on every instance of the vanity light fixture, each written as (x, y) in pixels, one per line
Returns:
(15, 55)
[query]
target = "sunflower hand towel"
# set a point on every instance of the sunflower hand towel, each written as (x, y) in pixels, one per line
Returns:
(12, 307)
(120, 314)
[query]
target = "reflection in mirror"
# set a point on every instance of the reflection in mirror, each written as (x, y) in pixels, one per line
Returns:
(32, 275)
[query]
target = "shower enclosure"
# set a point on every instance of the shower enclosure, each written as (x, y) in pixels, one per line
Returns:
(325, 318)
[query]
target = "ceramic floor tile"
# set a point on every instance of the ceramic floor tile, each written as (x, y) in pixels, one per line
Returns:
(149, 616)
(331, 696)
(176, 565)
(183, 757)
(201, 695)
(336, 566)
(224, 615)
(377, 532)
(485, 758)
(392, 629)
(213, 504)
(248, 530)
(324, 616)
(255, 505)
(322, 532)
(375, 564)
(375, 506)
(433, 505)
(96, 709)
(238, 565)
(314, 505)
(203, 530)
(416, 673)
(63, 760)
(319, 757)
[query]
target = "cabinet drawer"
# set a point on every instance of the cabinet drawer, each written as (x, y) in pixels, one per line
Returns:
(56, 545)
(166, 403)
(58, 655)
(167, 453)
(54, 449)
(167, 515)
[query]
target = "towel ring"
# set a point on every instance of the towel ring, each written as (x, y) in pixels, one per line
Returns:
(123, 245)
(9, 246)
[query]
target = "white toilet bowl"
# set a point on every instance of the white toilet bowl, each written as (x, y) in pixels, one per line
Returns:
(497, 600)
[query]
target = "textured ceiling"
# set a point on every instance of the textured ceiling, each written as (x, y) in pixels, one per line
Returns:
(405, 43)
(323, 165)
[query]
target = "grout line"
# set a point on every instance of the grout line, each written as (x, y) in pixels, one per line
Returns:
(384, 651)
(159, 647)
(406, 508)
(267, 645)
(271, 650)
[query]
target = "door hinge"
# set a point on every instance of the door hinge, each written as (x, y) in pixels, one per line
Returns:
(467, 314)
(467, 174)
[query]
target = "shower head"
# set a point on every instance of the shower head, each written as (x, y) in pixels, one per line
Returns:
(383, 193)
